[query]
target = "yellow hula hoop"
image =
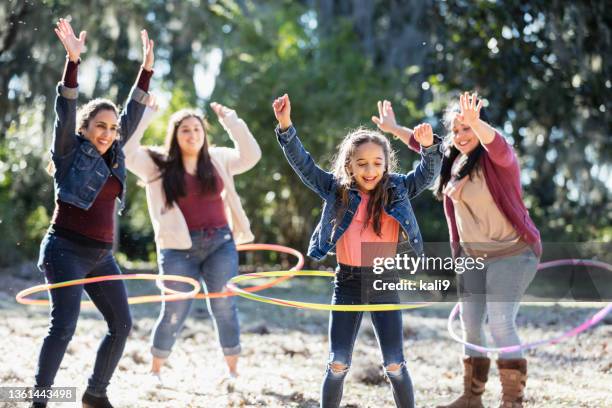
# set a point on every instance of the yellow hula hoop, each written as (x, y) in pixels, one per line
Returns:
(21, 296)
(232, 285)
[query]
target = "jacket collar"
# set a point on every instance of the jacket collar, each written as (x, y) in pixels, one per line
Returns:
(90, 149)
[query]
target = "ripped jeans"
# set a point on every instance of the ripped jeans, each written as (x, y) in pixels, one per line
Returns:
(343, 329)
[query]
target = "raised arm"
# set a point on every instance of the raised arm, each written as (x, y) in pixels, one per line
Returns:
(499, 150)
(301, 161)
(431, 161)
(64, 136)
(387, 123)
(137, 157)
(138, 98)
(246, 152)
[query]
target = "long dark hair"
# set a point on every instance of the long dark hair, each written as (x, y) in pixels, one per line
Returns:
(379, 197)
(451, 152)
(170, 162)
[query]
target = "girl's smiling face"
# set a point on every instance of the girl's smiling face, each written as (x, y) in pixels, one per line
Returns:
(464, 138)
(367, 166)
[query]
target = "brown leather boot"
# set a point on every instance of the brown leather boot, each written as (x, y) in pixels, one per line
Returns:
(475, 375)
(513, 374)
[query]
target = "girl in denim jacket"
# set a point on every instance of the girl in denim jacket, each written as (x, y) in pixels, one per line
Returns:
(89, 175)
(364, 201)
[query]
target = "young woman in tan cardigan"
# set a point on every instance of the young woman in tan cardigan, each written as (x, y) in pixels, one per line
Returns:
(197, 218)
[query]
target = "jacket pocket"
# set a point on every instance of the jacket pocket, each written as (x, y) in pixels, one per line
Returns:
(86, 158)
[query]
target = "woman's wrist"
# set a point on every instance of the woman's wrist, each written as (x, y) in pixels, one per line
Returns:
(70, 74)
(144, 78)
(401, 132)
(473, 123)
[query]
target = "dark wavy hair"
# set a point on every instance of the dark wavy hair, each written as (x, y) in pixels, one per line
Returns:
(84, 115)
(379, 196)
(88, 111)
(170, 162)
(451, 152)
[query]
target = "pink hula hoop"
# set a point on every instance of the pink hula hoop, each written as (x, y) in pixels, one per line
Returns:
(587, 324)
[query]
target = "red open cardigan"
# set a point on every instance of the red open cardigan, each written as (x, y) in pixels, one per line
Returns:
(502, 175)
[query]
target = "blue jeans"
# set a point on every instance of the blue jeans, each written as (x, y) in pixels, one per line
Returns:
(63, 260)
(495, 290)
(343, 328)
(212, 259)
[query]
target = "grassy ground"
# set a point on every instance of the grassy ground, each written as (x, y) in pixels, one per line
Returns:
(285, 351)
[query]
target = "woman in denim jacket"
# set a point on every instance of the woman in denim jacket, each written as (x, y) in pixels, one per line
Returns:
(364, 201)
(89, 175)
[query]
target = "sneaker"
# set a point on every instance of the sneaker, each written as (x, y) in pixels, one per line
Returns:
(156, 379)
(228, 382)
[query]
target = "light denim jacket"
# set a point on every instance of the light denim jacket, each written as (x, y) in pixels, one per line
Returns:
(402, 188)
(80, 170)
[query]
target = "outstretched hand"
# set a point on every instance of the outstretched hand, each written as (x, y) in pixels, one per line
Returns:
(386, 117)
(282, 111)
(148, 57)
(470, 107)
(221, 110)
(73, 45)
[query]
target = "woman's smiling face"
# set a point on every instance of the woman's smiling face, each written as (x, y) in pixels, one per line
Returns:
(464, 138)
(190, 136)
(102, 130)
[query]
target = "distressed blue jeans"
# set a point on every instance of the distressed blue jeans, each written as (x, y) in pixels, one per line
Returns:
(343, 329)
(213, 260)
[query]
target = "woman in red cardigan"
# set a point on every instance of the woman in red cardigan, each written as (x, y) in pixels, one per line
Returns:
(481, 190)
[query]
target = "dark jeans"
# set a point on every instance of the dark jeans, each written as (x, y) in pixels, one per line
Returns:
(63, 260)
(343, 329)
(212, 259)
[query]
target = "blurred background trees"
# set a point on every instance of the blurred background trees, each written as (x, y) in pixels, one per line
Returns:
(542, 66)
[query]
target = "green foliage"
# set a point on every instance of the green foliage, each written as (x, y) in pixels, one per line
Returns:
(543, 71)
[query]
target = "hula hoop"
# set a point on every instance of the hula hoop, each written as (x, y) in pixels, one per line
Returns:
(587, 324)
(307, 305)
(250, 247)
(21, 296)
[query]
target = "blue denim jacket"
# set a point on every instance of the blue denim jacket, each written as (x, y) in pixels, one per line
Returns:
(403, 187)
(80, 170)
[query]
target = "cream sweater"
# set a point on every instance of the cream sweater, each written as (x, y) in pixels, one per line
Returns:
(169, 225)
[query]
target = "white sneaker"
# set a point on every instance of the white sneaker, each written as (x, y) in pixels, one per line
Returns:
(228, 382)
(156, 379)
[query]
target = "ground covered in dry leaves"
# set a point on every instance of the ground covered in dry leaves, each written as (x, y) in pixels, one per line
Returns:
(285, 352)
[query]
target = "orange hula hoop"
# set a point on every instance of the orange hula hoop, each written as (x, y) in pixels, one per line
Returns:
(250, 247)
